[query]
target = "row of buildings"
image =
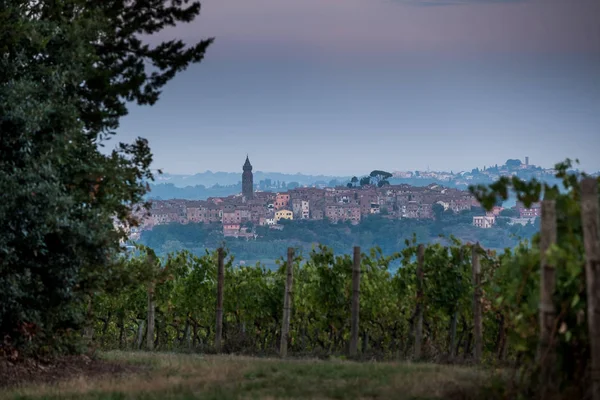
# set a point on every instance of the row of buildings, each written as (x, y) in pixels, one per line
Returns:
(238, 213)
(489, 174)
(525, 215)
(334, 204)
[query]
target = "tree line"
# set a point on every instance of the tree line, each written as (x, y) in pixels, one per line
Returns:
(374, 230)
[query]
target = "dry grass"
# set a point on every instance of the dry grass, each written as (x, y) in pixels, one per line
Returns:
(178, 376)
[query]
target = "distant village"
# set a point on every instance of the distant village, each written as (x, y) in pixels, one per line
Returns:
(512, 167)
(238, 214)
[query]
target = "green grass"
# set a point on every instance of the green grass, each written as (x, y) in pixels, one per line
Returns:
(179, 376)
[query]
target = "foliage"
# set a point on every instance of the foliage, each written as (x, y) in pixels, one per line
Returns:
(519, 277)
(513, 163)
(509, 213)
(320, 322)
(375, 230)
(377, 178)
(380, 178)
(68, 69)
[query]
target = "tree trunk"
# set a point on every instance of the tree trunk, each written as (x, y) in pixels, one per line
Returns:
(287, 304)
(140, 335)
(158, 328)
(590, 222)
(467, 353)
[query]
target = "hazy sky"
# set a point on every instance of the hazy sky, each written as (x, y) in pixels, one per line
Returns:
(348, 86)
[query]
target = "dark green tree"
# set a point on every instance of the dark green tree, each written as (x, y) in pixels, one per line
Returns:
(365, 180)
(513, 163)
(438, 212)
(68, 68)
(380, 178)
(509, 212)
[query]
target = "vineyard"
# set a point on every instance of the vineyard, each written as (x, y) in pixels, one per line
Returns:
(180, 293)
(458, 303)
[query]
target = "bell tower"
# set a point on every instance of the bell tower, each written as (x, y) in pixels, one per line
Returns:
(247, 180)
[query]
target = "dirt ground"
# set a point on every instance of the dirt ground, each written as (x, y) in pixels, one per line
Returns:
(59, 369)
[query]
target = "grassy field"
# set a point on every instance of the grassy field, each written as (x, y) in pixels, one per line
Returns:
(178, 376)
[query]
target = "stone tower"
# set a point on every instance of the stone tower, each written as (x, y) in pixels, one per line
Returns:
(247, 181)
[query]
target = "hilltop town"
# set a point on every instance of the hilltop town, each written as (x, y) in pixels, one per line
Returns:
(239, 213)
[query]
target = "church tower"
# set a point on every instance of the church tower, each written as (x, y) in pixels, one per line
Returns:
(247, 181)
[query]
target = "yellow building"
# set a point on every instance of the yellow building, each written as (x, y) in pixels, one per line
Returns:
(283, 214)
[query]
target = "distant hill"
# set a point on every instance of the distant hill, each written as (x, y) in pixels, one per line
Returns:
(166, 191)
(210, 178)
(207, 184)
(221, 184)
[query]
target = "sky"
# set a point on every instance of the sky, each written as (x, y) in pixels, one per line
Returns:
(343, 87)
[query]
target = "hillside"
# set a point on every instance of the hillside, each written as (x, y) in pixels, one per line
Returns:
(389, 235)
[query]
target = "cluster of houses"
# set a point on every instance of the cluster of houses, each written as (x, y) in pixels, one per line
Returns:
(526, 215)
(517, 168)
(238, 213)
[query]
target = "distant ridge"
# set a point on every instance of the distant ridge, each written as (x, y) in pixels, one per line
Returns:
(207, 184)
(209, 178)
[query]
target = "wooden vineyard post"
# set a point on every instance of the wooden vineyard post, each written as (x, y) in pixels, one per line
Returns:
(546, 352)
(287, 302)
(151, 307)
(355, 302)
(477, 323)
(454, 317)
(220, 282)
(419, 308)
(591, 240)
